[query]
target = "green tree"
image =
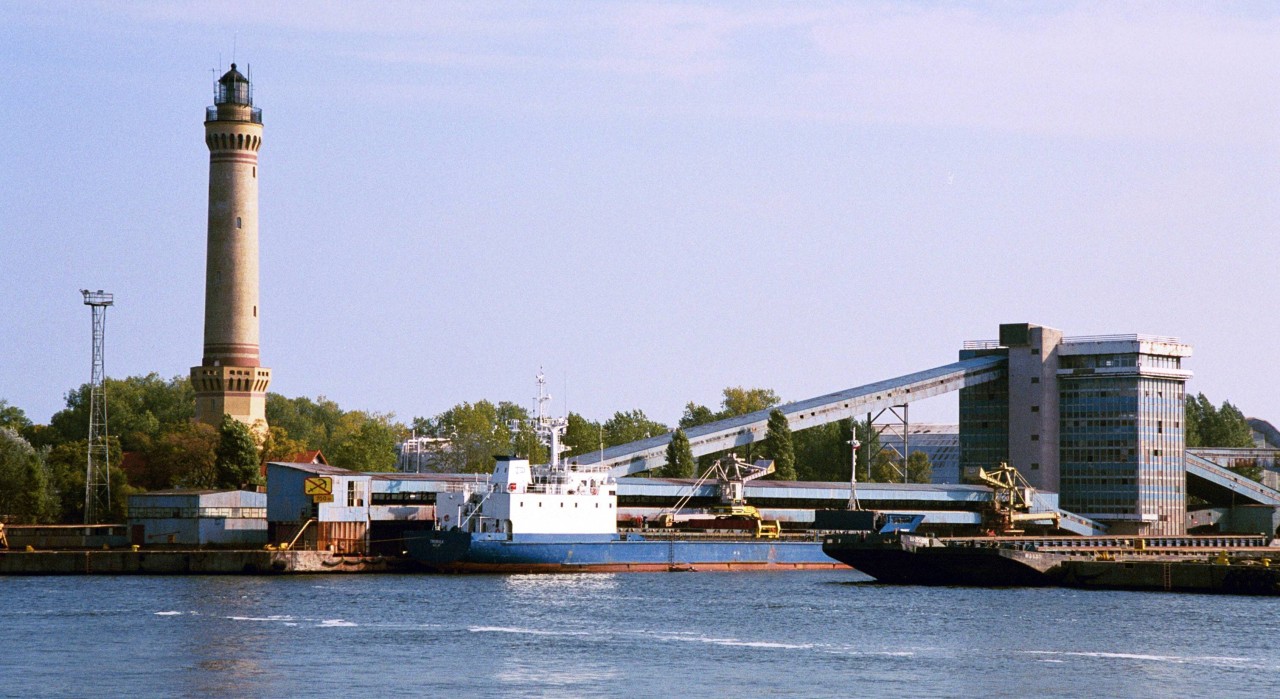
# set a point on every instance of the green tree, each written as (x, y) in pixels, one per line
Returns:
(66, 462)
(475, 433)
(13, 417)
(66, 468)
(886, 467)
(121, 489)
(42, 436)
(1232, 428)
(695, 415)
(24, 481)
(236, 464)
(277, 445)
(680, 461)
(919, 469)
(778, 446)
(741, 401)
(582, 436)
(316, 423)
(183, 456)
(139, 408)
(823, 452)
(522, 439)
(631, 426)
(1195, 419)
(369, 447)
(1207, 426)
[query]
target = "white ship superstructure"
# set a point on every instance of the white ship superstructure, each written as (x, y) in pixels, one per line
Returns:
(524, 502)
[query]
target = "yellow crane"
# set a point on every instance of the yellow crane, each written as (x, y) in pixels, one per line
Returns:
(1011, 499)
(731, 474)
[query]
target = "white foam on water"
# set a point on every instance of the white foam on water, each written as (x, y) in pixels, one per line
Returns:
(734, 642)
(331, 623)
(168, 613)
(1176, 659)
(764, 644)
(273, 617)
(518, 630)
(872, 653)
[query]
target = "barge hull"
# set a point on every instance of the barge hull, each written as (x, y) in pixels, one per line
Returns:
(519, 568)
(1172, 576)
(905, 560)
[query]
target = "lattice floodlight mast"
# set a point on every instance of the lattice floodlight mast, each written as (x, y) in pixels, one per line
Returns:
(97, 478)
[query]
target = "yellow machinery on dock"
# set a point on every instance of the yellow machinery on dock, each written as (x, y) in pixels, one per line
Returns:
(731, 474)
(1011, 500)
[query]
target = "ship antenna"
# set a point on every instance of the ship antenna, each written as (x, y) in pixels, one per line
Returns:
(550, 429)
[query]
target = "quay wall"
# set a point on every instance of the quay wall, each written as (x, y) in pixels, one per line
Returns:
(169, 562)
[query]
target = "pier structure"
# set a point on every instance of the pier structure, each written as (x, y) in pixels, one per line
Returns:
(1094, 421)
(230, 379)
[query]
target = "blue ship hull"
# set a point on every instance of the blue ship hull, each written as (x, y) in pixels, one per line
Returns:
(461, 552)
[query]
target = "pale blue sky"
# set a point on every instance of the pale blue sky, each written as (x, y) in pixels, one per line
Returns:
(652, 201)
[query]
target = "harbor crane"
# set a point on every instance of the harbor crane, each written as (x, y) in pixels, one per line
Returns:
(1011, 499)
(731, 475)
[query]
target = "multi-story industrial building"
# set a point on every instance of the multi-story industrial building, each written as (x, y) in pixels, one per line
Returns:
(1096, 419)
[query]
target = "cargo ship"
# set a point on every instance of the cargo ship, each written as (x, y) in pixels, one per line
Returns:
(557, 517)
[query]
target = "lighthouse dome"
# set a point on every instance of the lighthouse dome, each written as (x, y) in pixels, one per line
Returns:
(234, 88)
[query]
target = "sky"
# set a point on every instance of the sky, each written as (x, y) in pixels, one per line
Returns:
(650, 201)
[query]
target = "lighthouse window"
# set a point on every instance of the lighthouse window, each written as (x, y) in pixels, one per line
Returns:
(237, 222)
(255, 170)
(255, 311)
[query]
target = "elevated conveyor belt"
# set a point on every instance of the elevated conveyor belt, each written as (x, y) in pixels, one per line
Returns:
(636, 457)
(1070, 521)
(1221, 486)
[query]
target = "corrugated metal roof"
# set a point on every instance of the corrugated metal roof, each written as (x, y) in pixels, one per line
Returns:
(319, 469)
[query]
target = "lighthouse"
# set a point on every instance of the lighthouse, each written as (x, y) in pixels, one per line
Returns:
(230, 379)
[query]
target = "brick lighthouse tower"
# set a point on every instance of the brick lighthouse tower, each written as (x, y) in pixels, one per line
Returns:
(230, 379)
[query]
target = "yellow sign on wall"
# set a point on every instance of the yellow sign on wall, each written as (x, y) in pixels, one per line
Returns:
(318, 485)
(327, 497)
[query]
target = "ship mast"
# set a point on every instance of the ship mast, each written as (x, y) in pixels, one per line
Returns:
(549, 429)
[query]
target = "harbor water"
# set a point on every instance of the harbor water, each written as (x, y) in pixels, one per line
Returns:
(811, 634)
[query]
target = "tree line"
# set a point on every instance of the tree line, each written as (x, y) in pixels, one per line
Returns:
(151, 419)
(154, 443)
(1221, 427)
